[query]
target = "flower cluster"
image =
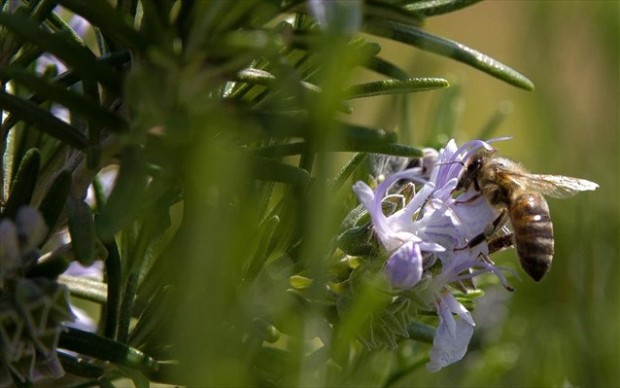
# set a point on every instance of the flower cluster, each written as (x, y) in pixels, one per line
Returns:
(31, 309)
(433, 230)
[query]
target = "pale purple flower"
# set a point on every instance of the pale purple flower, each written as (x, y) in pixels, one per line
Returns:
(398, 233)
(18, 241)
(451, 336)
(435, 225)
(408, 257)
(31, 309)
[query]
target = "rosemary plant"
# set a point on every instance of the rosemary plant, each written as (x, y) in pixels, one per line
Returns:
(170, 209)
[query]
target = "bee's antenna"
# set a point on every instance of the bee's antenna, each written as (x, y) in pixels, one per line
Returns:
(448, 163)
(504, 138)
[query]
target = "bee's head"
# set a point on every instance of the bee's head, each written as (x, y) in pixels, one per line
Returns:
(470, 173)
(474, 166)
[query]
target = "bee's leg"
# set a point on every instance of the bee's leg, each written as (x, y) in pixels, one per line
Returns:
(476, 185)
(489, 231)
(500, 242)
(468, 200)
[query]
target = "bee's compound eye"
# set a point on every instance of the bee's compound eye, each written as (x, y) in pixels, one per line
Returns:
(475, 165)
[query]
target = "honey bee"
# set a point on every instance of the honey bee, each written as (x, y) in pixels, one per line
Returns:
(518, 194)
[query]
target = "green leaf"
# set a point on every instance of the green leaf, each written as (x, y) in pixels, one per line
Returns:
(272, 170)
(263, 77)
(102, 348)
(43, 10)
(126, 308)
(57, 24)
(386, 68)
(348, 170)
(280, 125)
(78, 366)
(43, 120)
(261, 255)
(82, 231)
(127, 195)
(101, 15)
(392, 86)
(393, 379)
(356, 133)
(67, 78)
(138, 379)
(384, 10)
(55, 199)
(153, 318)
(350, 146)
(87, 289)
(421, 332)
(355, 241)
(383, 148)
(24, 183)
(50, 267)
(77, 103)
(448, 48)
(427, 8)
(113, 300)
(27, 56)
(299, 128)
(75, 56)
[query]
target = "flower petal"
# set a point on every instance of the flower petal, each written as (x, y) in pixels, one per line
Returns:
(403, 269)
(447, 348)
(30, 226)
(457, 308)
(446, 318)
(475, 214)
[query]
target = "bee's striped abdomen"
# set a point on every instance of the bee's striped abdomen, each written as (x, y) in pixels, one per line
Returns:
(533, 232)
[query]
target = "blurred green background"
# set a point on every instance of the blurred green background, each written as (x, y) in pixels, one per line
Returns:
(565, 330)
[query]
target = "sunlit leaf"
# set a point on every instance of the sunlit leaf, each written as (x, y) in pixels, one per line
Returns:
(448, 48)
(411, 85)
(105, 349)
(427, 8)
(24, 183)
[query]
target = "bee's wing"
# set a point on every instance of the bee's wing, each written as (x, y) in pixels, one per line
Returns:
(556, 186)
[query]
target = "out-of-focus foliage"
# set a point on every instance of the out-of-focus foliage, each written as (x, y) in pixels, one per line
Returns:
(224, 123)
